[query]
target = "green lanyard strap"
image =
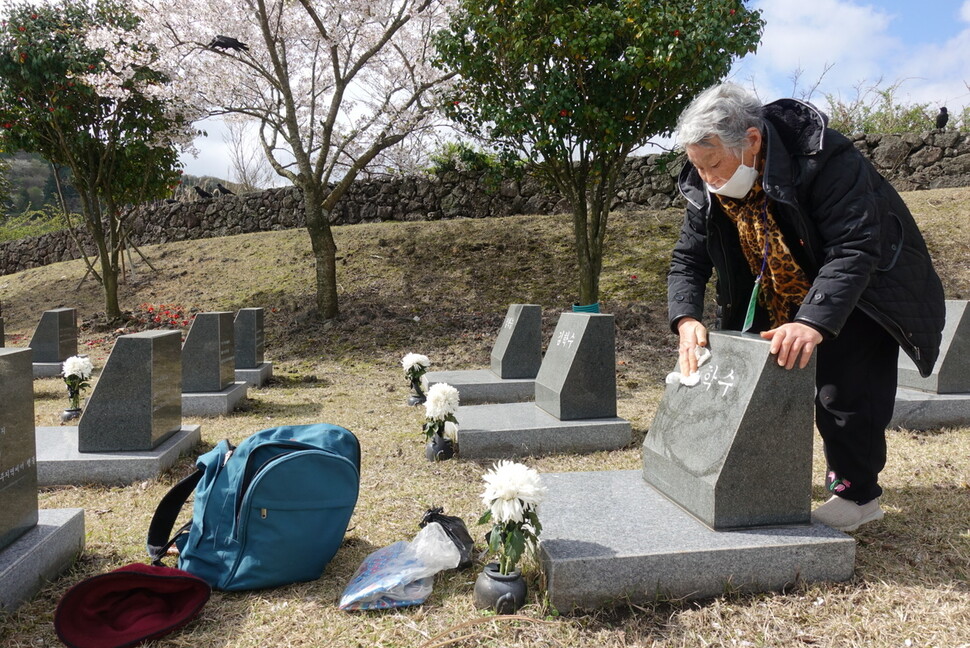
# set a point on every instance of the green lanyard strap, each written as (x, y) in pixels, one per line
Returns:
(756, 289)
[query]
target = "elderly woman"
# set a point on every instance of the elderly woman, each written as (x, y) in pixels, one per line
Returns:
(814, 250)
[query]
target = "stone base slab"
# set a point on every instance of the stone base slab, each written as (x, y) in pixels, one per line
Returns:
(40, 555)
(919, 410)
(609, 537)
(60, 463)
(48, 369)
(213, 403)
(477, 386)
(257, 376)
(523, 429)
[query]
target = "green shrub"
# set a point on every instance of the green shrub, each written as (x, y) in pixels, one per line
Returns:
(460, 157)
(31, 223)
(876, 109)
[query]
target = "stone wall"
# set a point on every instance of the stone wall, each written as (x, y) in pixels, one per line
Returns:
(911, 162)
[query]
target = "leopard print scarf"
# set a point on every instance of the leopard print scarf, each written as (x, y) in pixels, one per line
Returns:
(784, 284)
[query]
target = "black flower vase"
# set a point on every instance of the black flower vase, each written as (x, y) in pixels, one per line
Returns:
(504, 593)
(418, 397)
(70, 414)
(439, 448)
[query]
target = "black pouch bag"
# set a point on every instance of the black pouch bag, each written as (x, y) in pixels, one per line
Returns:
(456, 530)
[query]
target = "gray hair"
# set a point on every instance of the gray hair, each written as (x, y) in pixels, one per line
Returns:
(726, 110)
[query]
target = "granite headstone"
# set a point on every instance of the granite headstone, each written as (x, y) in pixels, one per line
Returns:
(735, 450)
(18, 459)
(248, 331)
(577, 379)
(55, 338)
(137, 401)
(2, 338)
(951, 375)
(517, 352)
(208, 354)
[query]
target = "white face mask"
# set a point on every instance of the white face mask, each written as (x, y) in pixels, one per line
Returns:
(739, 184)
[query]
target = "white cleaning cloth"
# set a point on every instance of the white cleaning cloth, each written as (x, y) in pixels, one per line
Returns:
(703, 355)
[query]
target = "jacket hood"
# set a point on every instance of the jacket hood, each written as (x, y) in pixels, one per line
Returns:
(800, 125)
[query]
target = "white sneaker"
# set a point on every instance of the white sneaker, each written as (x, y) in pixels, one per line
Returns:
(845, 515)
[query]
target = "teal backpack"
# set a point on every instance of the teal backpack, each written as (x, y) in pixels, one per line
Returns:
(272, 510)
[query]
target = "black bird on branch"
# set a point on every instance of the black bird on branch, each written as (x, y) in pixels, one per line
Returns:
(202, 192)
(942, 118)
(222, 190)
(227, 42)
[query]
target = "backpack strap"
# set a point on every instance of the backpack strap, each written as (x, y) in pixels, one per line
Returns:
(163, 521)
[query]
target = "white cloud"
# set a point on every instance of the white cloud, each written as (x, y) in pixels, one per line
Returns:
(939, 73)
(214, 155)
(855, 38)
(809, 36)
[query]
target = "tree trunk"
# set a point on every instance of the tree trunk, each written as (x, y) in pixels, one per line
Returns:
(324, 252)
(107, 255)
(110, 266)
(109, 278)
(589, 223)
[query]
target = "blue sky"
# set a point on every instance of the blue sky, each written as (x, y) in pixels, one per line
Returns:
(924, 45)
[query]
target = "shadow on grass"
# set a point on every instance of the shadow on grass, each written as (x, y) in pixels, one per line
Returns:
(922, 540)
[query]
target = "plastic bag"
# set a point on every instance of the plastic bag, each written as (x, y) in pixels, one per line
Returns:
(455, 528)
(401, 574)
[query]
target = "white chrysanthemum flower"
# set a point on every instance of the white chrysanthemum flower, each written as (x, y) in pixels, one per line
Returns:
(413, 360)
(442, 401)
(77, 366)
(451, 431)
(511, 488)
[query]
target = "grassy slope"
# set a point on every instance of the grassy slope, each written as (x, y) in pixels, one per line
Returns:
(456, 278)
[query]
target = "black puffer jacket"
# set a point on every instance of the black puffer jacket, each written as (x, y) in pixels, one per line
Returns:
(844, 223)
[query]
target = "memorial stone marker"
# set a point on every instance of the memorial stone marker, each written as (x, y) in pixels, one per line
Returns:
(517, 352)
(515, 360)
(35, 545)
(577, 379)
(248, 332)
(18, 463)
(951, 375)
(723, 500)
(137, 401)
(575, 400)
(208, 355)
(55, 338)
(2, 338)
(735, 450)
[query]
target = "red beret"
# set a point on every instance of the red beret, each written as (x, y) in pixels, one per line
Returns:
(129, 605)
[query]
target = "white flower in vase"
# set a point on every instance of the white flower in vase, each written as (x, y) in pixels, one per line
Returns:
(76, 371)
(415, 365)
(512, 496)
(442, 401)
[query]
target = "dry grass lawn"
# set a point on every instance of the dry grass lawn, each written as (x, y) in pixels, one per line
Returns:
(442, 289)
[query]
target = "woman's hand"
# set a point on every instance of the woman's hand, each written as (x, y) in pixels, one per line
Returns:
(790, 342)
(693, 334)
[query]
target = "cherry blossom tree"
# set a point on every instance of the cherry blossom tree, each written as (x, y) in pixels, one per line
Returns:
(332, 87)
(92, 102)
